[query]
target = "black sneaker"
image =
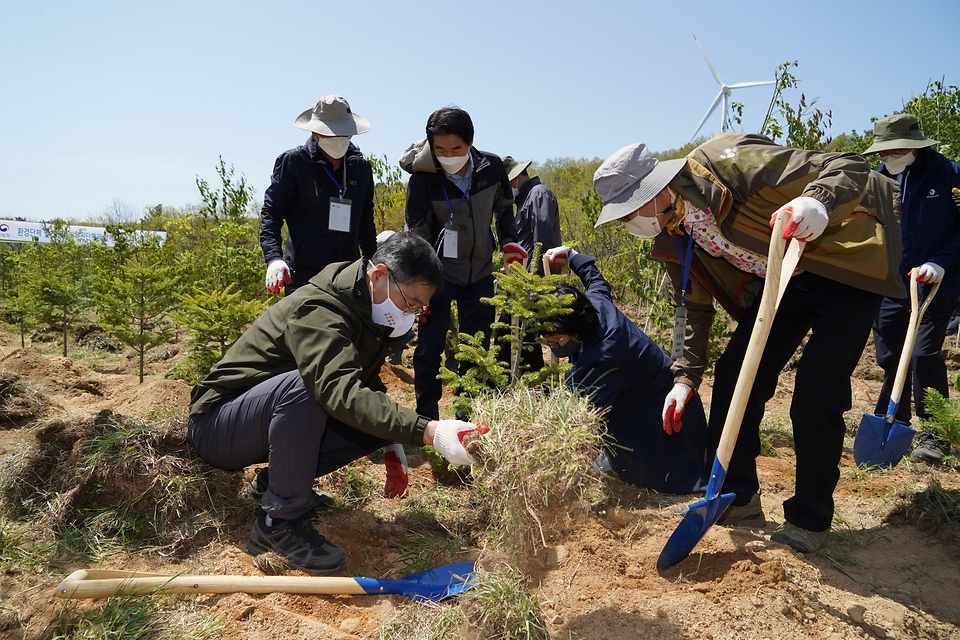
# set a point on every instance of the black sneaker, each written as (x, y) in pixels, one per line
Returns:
(261, 481)
(297, 541)
(930, 449)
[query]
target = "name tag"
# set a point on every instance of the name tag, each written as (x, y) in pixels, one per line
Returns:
(679, 331)
(339, 214)
(450, 235)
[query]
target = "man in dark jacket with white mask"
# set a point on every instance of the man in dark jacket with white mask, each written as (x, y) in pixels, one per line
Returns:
(323, 190)
(930, 222)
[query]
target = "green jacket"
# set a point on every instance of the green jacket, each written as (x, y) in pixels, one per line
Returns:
(325, 331)
(744, 179)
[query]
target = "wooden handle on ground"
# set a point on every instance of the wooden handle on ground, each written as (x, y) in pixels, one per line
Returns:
(96, 583)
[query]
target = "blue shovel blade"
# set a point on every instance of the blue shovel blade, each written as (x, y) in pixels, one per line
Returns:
(433, 584)
(879, 443)
(700, 516)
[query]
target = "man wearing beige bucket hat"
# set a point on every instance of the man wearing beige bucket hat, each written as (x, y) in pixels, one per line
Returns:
(323, 191)
(930, 222)
(710, 216)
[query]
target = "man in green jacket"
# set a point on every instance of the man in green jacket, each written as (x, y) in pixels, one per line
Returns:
(710, 214)
(301, 390)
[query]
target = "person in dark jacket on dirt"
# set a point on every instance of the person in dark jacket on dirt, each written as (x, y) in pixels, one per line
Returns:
(710, 216)
(323, 190)
(629, 375)
(301, 391)
(455, 195)
(930, 222)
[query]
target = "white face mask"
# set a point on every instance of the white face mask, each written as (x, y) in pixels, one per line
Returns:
(898, 164)
(335, 147)
(516, 192)
(388, 314)
(453, 164)
(643, 227)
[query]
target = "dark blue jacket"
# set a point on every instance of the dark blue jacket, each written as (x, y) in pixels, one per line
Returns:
(630, 374)
(299, 194)
(930, 219)
(538, 218)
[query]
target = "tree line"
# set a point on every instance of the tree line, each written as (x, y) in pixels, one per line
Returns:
(204, 284)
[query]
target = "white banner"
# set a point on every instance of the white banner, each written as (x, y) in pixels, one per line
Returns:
(13, 231)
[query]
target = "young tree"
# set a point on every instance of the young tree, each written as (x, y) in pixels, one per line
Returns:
(804, 126)
(389, 195)
(231, 202)
(134, 296)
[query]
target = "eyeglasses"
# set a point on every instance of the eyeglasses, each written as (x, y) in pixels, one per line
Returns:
(410, 310)
(556, 344)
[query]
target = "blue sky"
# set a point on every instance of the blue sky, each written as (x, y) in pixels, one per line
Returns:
(130, 101)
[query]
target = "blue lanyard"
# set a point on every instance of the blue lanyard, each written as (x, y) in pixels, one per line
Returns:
(459, 202)
(337, 184)
(685, 262)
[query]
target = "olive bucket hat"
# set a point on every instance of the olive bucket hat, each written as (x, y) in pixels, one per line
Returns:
(513, 167)
(901, 131)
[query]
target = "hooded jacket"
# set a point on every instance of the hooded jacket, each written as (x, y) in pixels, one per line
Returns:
(433, 201)
(299, 194)
(930, 220)
(743, 180)
(325, 331)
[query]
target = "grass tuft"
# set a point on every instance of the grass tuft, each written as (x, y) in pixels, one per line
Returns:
(133, 617)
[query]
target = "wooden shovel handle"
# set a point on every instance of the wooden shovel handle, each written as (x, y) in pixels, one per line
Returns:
(779, 271)
(910, 340)
(93, 583)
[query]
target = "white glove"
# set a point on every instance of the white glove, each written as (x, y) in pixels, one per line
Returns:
(278, 274)
(929, 273)
(448, 440)
(395, 461)
(674, 405)
(560, 256)
(808, 218)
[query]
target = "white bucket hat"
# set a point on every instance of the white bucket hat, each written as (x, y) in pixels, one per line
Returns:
(629, 179)
(331, 116)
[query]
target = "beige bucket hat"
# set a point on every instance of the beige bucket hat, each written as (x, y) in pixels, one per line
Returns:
(331, 116)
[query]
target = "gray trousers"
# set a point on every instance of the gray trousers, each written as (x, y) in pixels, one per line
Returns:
(280, 423)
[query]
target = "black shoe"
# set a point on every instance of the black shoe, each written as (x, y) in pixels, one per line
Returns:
(299, 543)
(261, 481)
(930, 449)
(749, 515)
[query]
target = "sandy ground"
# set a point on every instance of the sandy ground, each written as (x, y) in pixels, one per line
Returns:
(598, 579)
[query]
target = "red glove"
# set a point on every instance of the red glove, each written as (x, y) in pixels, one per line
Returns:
(423, 314)
(395, 460)
(278, 274)
(512, 252)
(559, 256)
(808, 218)
(674, 405)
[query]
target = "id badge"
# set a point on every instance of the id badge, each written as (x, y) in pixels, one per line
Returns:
(339, 214)
(450, 235)
(679, 331)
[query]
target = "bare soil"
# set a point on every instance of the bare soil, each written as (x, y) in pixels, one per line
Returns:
(873, 578)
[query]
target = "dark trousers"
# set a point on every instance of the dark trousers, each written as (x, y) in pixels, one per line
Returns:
(927, 369)
(839, 317)
(279, 422)
(472, 315)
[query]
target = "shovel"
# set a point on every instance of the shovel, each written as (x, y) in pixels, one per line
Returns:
(434, 584)
(702, 515)
(882, 442)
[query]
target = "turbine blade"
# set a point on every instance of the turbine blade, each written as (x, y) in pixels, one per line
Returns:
(713, 70)
(741, 85)
(709, 113)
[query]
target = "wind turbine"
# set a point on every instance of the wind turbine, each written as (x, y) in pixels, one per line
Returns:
(724, 95)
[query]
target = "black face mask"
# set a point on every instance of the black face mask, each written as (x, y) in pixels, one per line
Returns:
(567, 350)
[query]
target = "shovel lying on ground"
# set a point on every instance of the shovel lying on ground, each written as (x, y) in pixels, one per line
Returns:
(434, 584)
(882, 441)
(702, 515)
